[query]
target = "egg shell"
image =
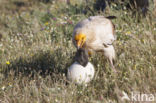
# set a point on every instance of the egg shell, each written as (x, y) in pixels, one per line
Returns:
(79, 74)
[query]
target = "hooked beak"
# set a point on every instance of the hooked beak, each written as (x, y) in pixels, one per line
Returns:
(80, 40)
(79, 44)
(78, 47)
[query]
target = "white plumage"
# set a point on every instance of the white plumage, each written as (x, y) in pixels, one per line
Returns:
(79, 74)
(96, 33)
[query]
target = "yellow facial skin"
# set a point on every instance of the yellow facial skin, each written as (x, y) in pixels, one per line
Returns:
(80, 40)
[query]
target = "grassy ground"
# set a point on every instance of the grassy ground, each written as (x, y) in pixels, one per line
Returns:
(36, 49)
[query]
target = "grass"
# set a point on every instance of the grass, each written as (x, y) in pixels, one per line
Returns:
(36, 49)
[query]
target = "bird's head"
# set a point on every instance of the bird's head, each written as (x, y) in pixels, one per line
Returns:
(80, 40)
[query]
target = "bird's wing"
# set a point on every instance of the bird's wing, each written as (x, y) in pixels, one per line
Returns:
(109, 40)
(105, 31)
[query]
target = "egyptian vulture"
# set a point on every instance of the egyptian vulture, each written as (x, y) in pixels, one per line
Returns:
(96, 33)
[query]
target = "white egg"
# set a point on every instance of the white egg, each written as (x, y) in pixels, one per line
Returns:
(79, 74)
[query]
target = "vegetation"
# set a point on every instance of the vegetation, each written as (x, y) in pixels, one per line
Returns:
(36, 49)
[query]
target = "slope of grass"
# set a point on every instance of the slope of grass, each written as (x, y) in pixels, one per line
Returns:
(36, 49)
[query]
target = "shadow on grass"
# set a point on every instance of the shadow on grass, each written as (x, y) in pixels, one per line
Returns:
(42, 63)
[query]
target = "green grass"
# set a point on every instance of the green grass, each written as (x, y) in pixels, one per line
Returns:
(36, 49)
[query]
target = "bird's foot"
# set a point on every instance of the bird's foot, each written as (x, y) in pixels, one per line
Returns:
(114, 69)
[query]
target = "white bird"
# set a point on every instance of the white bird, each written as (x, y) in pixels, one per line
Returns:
(80, 74)
(96, 33)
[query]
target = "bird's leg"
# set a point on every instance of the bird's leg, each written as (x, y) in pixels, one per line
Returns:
(109, 52)
(112, 65)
